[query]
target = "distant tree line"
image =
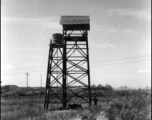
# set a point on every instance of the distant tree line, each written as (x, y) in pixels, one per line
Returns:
(101, 87)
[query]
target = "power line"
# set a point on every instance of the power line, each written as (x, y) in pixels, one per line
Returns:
(120, 63)
(100, 73)
(20, 72)
(41, 80)
(90, 62)
(122, 58)
(24, 68)
(90, 66)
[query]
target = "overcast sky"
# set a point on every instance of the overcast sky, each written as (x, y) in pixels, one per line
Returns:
(119, 29)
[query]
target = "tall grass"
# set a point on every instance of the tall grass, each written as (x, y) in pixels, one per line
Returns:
(16, 110)
(134, 107)
(33, 110)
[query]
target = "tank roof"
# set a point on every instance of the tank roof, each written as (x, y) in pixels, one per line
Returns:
(68, 20)
(71, 22)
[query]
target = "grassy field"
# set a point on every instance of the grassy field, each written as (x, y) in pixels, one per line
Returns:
(135, 106)
(33, 110)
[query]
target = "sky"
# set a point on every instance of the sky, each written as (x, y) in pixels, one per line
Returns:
(119, 39)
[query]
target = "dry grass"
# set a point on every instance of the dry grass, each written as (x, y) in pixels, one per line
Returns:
(33, 110)
(134, 107)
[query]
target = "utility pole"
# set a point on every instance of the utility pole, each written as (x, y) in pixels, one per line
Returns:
(27, 78)
(1, 89)
(41, 79)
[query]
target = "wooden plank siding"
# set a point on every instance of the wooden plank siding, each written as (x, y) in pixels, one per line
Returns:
(75, 22)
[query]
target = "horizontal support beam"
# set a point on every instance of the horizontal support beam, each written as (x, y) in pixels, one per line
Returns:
(57, 45)
(76, 48)
(76, 56)
(76, 73)
(58, 57)
(77, 44)
(54, 102)
(59, 103)
(76, 40)
(77, 60)
(75, 37)
(77, 86)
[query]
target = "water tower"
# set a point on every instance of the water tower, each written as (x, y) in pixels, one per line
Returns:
(68, 72)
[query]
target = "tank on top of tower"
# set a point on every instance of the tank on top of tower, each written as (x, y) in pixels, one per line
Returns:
(57, 38)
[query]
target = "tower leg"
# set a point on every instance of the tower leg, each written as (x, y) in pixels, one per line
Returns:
(53, 91)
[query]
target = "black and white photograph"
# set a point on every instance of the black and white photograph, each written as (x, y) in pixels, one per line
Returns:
(75, 59)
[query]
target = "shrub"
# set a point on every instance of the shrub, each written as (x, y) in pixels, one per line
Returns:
(129, 108)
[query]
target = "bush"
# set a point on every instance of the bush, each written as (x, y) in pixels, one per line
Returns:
(130, 108)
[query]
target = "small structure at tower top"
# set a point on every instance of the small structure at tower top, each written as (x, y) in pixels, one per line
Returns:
(57, 38)
(75, 22)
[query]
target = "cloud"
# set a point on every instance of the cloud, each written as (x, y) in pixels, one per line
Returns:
(32, 49)
(142, 14)
(105, 45)
(31, 64)
(8, 66)
(35, 56)
(105, 28)
(97, 45)
(143, 71)
(112, 46)
(51, 22)
(34, 52)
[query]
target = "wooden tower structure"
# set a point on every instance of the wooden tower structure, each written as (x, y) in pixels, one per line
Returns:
(68, 74)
